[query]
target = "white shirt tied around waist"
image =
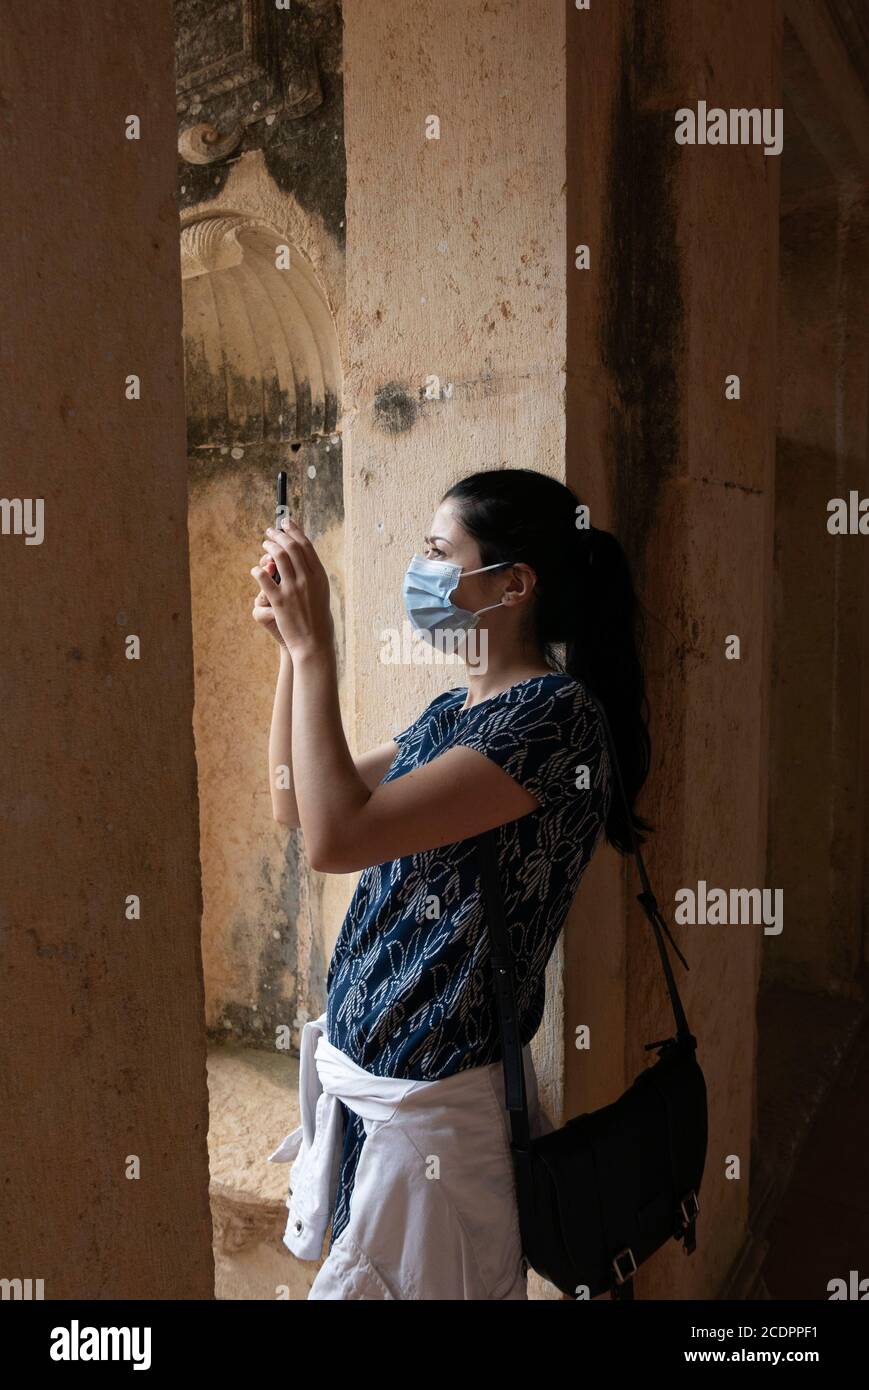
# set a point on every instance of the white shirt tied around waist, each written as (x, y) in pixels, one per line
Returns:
(327, 1076)
(408, 1236)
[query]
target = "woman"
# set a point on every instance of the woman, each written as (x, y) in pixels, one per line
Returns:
(401, 1082)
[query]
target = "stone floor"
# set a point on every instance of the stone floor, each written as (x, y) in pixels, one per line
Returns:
(820, 1230)
(813, 1123)
(253, 1103)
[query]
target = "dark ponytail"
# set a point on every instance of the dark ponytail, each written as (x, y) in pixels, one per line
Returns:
(585, 602)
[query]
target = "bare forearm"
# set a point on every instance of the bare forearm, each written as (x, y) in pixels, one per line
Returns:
(329, 789)
(281, 778)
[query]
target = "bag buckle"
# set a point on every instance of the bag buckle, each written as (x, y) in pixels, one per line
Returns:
(686, 1230)
(620, 1276)
(690, 1197)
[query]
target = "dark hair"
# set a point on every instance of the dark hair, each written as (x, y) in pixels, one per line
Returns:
(584, 599)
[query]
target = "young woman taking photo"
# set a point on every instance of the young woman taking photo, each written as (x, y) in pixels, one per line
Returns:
(404, 1142)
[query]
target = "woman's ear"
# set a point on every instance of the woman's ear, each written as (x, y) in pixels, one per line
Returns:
(523, 582)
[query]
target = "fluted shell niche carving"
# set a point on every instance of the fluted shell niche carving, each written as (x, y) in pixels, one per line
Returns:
(260, 348)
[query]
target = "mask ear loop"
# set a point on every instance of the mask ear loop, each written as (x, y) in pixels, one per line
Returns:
(497, 565)
(488, 609)
(500, 603)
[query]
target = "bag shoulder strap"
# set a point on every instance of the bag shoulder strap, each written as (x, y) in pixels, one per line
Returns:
(646, 899)
(502, 966)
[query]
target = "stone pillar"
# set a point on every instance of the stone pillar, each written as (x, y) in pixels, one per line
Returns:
(680, 295)
(104, 1070)
(818, 793)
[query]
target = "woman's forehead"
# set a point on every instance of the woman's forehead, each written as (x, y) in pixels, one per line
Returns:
(445, 525)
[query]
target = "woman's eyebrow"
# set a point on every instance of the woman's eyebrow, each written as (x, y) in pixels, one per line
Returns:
(429, 539)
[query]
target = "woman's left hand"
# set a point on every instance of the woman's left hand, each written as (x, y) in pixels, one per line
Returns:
(301, 601)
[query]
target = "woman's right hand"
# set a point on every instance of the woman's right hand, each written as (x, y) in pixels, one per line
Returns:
(262, 611)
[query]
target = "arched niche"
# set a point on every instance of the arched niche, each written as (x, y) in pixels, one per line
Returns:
(261, 357)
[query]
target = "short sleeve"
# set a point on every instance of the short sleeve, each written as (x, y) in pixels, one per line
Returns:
(548, 737)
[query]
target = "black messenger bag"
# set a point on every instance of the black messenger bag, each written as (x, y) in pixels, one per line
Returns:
(600, 1195)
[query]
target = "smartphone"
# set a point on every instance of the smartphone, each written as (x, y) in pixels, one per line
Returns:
(280, 511)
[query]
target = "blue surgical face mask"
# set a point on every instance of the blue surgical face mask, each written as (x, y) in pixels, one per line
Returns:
(427, 588)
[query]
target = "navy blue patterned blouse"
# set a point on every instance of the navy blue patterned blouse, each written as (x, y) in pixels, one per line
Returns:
(409, 987)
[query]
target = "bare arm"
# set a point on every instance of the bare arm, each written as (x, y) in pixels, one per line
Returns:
(370, 766)
(284, 808)
(349, 826)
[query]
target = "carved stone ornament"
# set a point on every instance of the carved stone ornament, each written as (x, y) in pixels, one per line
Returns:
(302, 90)
(234, 67)
(211, 244)
(221, 48)
(204, 144)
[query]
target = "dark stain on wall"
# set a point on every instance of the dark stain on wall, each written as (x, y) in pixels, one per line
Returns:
(395, 409)
(292, 78)
(316, 974)
(226, 408)
(257, 1026)
(320, 484)
(260, 408)
(278, 956)
(642, 321)
(306, 157)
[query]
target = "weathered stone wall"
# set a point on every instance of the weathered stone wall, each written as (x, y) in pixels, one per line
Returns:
(263, 386)
(679, 295)
(820, 681)
(104, 1041)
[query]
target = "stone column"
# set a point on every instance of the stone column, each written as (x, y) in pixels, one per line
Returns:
(103, 1087)
(818, 794)
(680, 294)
